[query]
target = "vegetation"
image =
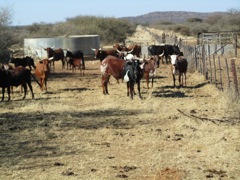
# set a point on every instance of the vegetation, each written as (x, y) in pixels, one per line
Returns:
(216, 22)
(6, 38)
(109, 29)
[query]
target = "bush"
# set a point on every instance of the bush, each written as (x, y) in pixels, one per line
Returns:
(110, 30)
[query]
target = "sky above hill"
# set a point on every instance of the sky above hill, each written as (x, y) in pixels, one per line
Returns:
(27, 12)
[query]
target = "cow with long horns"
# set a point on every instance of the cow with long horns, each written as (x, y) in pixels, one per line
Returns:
(56, 54)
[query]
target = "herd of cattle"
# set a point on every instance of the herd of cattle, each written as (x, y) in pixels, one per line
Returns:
(121, 62)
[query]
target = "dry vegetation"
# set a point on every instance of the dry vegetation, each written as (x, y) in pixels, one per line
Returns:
(75, 132)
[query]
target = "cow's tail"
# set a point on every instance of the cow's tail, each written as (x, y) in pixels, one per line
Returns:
(36, 80)
(126, 77)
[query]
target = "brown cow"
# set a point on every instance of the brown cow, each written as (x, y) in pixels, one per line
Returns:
(15, 77)
(149, 67)
(133, 49)
(179, 67)
(102, 54)
(42, 72)
(111, 66)
(76, 63)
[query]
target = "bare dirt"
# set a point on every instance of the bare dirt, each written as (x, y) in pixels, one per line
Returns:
(76, 132)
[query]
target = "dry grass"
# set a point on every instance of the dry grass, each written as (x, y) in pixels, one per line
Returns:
(75, 132)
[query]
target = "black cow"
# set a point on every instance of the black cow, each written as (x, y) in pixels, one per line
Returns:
(15, 77)
(75, 55)
(57, 55)
(132, 74)
(163, 50)
(25, 61)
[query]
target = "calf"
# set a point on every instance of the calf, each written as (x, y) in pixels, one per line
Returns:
(111, 66)
(15, 77)
(132, 74)
(75, 55)
(179, 67)
(76, 62)
(42, 72)
(149, 67)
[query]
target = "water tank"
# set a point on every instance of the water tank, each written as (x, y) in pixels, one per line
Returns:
(34, 46)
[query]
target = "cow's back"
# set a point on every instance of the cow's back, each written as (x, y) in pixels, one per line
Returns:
(113, 66)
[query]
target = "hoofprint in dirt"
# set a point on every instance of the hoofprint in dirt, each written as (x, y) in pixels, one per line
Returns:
(76, 132)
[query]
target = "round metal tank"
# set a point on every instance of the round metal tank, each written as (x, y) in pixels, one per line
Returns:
(34, 46)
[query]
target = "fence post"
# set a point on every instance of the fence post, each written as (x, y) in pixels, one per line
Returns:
(227, 73)
(215, 71)
(204, 62)
(220, 73)
(234, 73)
(210, 64)
(235, 43)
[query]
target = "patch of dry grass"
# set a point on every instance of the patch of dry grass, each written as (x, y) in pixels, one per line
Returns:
(75, 132)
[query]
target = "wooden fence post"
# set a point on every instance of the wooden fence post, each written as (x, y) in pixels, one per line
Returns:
(235, 43)
(210, 64)
(204, 62)
(228, 77)
(220, 73)
(234, 73)
(215, 71)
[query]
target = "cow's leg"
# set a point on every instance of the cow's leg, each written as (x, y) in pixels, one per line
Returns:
(8, 91)
(105, 80)
(3, 91)
(185, 78)
(128, 88)
(174, 80)
(31, 89)
(139, 92)
(24, 85)
(147, 80)
(83, 63)
(166, 58)
(158, 60)
(131, 87)
(63, 63)
(45, 82)
(41, 83)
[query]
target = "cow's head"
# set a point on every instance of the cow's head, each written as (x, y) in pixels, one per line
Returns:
(97, 52)
(45, 62)
(174, 64)
(50, 51)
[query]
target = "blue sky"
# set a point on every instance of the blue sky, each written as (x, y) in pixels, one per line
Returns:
(26, 12)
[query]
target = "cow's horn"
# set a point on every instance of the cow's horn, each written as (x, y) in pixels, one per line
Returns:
(161, 54)
(93, 49)
(119, 51)
(51, 58)
(130, 51)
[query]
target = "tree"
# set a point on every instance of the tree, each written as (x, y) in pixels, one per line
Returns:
(6, 39)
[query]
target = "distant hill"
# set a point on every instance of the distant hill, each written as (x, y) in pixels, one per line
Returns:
(169, 16)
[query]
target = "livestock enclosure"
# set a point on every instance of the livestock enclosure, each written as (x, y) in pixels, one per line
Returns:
(75, 132)
(220, 70)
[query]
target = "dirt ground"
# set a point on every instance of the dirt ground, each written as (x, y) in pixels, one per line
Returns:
(76, 132)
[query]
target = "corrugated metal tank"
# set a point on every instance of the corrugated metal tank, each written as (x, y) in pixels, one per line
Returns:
(75, 42)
